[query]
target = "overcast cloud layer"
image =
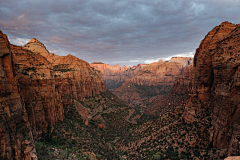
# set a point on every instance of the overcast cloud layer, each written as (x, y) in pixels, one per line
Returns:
(116, 31)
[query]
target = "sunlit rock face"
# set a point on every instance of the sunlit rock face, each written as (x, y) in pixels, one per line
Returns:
(37, 87)
(155, 79)
(16, 140)
(74, 78)
(215, 85)
(115, 75)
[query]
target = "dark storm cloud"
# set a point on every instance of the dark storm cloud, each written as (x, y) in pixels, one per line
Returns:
(124, 32)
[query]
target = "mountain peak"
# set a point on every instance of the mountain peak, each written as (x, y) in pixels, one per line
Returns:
(36, 46)
(33, 40)
(226, 23)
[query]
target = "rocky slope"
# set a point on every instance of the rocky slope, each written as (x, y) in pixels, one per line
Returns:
(215, 85)
(115, 75)
(15, 131)
(155, 79)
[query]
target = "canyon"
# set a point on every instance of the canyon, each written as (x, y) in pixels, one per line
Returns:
(209, 115)
(59, 107)
(115, 75)
(138, 85)
(153, 80)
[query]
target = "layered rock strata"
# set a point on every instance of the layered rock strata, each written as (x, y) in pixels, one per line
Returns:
(37, 88)
(16, 140)
(155, 79)
(74, 78)
(215, 86)
(115, 75)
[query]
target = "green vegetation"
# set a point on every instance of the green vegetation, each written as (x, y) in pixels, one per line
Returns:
(151, 91)
(111, 84)
(72, 133)
(46, 151)
(62, 68)
(165, 137)
(26, 71)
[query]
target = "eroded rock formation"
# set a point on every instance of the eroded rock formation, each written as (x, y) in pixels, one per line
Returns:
(215, 86)
(74, 78)
(115, 75)
(37, 88)
(15, 131)
(154, 79)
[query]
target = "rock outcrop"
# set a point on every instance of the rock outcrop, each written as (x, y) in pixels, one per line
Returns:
(155, 79)
(16, 140)
(74, 78)
(215, 86)
(37, 88)
(115, 75)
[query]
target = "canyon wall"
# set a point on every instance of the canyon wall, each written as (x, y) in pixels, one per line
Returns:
(155, 79)
(16, 139)
(115, 75)
(37, 88)
(74, 78)
(161, 104)
(215, 86)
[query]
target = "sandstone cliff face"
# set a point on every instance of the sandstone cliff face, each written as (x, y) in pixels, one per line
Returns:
(215, 86)
(74, 78)
(16, 140)
(162, 104)
(161, 73)
(115, 75)
(154, 79)
(38, 89)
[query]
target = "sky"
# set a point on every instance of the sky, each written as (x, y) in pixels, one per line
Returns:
(124, 32)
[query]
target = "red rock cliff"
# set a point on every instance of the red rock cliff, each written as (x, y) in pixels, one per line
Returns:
(115, 75)
(16, 140)
(155, 79)
(38, 89)
(161, 73)
(74, 78)
(216, 86)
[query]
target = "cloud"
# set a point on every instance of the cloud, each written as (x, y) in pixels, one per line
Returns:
(18, 41)
(21, 16)
(126, 31)
(188, 54)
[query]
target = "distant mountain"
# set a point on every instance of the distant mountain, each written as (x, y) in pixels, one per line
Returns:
(115, 75)
(155, 79)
